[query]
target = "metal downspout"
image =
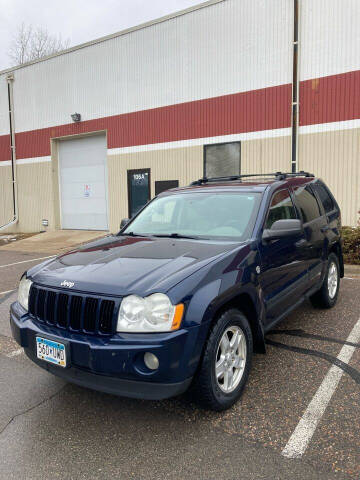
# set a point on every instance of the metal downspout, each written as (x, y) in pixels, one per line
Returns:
(295, 91)
(10, 79)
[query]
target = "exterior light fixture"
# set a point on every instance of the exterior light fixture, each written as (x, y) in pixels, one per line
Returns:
(76, 117)
(45, 223)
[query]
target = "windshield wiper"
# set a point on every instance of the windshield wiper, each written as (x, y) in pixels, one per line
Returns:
(132, 234)
(175, 235)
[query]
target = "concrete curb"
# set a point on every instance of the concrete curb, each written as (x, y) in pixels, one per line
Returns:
(352, 269)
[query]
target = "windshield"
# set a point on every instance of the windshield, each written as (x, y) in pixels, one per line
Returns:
(199, 215)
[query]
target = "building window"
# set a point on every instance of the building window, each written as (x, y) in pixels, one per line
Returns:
(163, 185)
(222, 159)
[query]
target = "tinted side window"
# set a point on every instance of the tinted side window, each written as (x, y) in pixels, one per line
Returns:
(325, 198)
(307, 203)
(281, 208)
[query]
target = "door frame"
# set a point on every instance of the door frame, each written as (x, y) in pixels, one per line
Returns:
(131, 172)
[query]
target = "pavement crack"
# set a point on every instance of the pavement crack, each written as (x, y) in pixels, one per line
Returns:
(33, 407)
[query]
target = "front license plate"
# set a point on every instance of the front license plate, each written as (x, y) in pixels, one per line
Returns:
(52, 352)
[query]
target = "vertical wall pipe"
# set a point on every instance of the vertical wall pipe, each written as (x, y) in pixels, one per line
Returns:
(295, 91)
(10, 79)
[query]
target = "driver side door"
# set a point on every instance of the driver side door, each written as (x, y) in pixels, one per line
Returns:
(283, 274)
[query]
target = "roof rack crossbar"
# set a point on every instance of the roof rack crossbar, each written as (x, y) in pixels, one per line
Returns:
(277, 175)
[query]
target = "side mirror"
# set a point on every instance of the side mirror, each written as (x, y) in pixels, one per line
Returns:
(282, 228)
(124, 222)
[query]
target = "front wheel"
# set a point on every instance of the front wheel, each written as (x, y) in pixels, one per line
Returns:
(327, 296)
(226, 362)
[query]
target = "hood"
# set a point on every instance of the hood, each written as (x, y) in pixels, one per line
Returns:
(122, 265)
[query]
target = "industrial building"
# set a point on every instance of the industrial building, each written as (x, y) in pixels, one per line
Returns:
(88, 135)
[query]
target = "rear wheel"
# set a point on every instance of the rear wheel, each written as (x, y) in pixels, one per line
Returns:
(226, 363)
(327, 296)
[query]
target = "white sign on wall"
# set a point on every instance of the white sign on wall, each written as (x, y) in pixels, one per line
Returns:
(87, 190)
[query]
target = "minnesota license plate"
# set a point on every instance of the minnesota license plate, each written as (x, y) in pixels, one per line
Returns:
(52, 352)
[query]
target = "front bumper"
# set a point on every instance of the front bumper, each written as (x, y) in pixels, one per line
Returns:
(114, 385)
(115, 364)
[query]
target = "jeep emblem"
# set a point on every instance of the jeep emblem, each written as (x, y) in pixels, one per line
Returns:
(65, 283)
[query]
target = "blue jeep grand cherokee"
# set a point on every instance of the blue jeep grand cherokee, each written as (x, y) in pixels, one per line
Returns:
(185, 292)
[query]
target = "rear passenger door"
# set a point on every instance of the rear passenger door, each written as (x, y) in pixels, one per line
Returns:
(315, 227)
(283, 274)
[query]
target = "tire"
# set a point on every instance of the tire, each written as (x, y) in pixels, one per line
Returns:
(327, 296)
(214, 390)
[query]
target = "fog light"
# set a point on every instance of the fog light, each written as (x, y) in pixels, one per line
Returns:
(151, 361)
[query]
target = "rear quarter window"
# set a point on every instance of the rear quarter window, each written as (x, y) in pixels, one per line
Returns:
(325, 198)
(307, 203)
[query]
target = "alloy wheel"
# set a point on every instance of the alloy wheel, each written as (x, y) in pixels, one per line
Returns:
(332, 280)
(230, 359)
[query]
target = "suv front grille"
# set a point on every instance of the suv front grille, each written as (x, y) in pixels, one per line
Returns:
(76, 312)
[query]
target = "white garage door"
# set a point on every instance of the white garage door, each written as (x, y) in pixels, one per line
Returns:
(83, 183)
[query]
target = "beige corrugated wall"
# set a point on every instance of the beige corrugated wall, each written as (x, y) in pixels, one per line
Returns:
(34, 196)
(319, 153)
(6, 195)
(335, 157)
(186, 164)
(266, 155)
(183, 164)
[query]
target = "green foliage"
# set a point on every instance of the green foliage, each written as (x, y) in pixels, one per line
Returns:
(351, 248)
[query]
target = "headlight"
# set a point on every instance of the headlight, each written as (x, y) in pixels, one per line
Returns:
(23, 292)
(151, 314)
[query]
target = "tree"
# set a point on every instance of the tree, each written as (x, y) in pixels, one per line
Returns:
(30, 43)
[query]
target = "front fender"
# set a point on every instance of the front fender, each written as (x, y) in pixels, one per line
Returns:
(217, 285)
(247, 298)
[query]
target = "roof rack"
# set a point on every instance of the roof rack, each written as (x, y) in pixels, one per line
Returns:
(230, 178)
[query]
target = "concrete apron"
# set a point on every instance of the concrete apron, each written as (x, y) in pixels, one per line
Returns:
(53, 242)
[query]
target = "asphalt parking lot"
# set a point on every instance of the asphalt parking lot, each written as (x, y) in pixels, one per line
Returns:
(49, 429)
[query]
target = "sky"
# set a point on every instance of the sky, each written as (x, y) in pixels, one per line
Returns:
(80, 20)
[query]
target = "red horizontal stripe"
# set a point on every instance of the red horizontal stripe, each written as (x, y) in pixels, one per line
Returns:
(4, 147)
(330, 99)
(264, 109)
(323, 100)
